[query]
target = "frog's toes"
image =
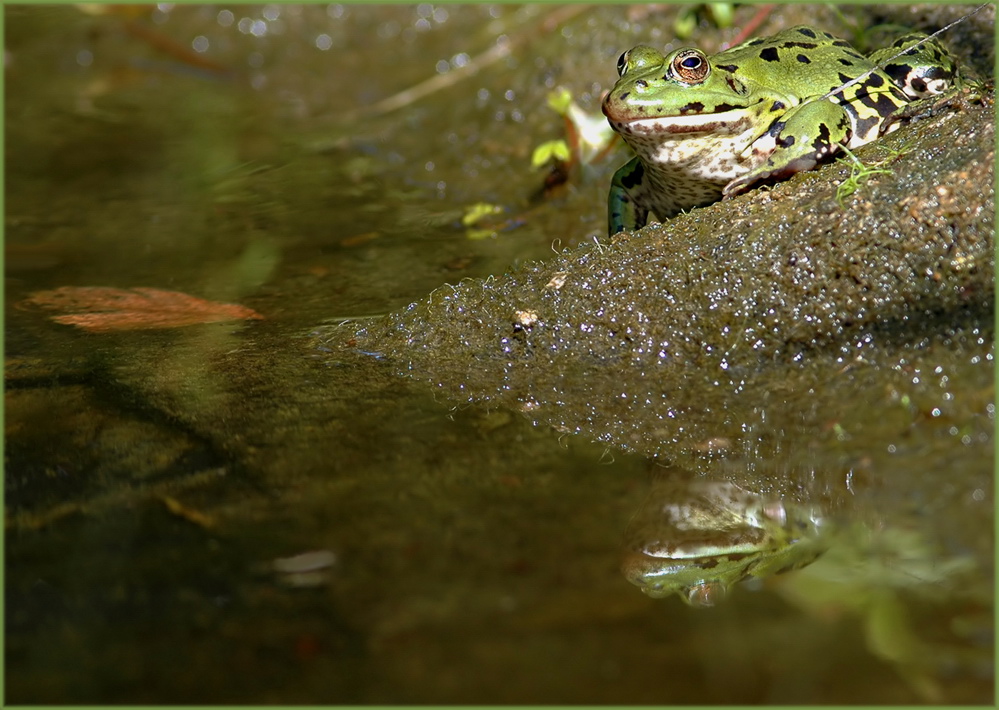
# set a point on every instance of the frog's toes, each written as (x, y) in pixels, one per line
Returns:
(736, 187)
(771, 173)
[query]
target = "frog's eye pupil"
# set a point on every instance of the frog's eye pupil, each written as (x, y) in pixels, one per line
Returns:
(691, 63)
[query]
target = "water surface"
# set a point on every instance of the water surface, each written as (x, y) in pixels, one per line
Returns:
(161, 485)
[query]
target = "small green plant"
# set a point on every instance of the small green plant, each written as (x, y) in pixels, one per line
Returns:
(860, 172)
(718, 13)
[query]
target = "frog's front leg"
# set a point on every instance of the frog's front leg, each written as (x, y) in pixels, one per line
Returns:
(623, 212)
(805, 135)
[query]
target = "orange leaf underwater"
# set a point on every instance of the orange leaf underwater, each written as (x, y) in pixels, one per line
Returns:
(102, 309)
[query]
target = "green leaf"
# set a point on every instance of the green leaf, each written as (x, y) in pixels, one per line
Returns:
(556, 149)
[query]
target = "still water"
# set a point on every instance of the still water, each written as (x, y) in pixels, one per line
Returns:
(235, 512)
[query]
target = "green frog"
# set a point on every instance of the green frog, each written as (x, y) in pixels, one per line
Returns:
(704, 127)
(696, 538)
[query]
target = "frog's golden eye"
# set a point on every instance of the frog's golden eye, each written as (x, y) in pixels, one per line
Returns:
(622, 63)
(638, 59)
(705, 594)
(690, 65)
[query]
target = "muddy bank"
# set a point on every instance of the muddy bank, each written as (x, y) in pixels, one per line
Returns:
(693, 339)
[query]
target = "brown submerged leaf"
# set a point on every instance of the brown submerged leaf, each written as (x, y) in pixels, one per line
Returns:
(101, 309)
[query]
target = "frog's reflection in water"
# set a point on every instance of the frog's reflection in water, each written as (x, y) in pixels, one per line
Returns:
(696, 537)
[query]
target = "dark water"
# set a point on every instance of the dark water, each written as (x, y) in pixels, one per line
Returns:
(162, 485)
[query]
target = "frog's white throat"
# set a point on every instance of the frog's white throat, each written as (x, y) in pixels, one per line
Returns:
(695, 153)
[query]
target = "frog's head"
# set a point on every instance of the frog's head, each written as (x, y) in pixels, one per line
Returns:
(699, 544)
(685, 87)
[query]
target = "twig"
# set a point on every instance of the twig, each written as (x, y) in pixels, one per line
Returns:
(436, 83)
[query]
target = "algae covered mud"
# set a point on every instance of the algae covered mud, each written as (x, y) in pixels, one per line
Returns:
(697, 341)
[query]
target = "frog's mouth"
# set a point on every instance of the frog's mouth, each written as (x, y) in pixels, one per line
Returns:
(660, 576)
(660, 568)
(706, 547)
(725, 122)
(691, 118)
